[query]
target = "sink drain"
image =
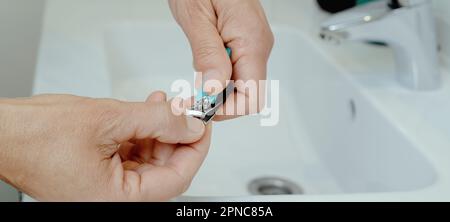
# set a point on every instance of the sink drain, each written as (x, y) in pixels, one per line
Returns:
(273, 186)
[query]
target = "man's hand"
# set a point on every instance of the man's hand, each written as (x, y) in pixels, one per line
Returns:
(69, 148)
(213, 25)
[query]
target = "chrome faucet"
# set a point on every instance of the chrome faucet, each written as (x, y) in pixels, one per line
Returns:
(405, 25)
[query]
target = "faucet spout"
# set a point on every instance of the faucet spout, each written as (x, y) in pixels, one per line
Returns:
(408, 29)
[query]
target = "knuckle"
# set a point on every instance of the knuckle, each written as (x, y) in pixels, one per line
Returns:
(205, 53)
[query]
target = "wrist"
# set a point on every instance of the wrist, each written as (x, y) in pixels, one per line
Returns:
(8, 140)
(5, 110)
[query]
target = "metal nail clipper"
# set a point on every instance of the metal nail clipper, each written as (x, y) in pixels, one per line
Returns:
(205, 107)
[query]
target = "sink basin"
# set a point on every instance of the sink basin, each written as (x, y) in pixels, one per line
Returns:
(331, 138)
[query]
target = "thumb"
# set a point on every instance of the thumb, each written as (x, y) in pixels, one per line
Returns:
(208, 49)
(155, 120)
(210, 58)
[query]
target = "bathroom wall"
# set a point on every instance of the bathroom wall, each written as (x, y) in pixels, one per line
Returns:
(20, 25)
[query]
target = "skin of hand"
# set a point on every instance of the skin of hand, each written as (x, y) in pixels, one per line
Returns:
(241, 25)
(68, 148)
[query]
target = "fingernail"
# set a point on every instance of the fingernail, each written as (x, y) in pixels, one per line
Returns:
(195, 125)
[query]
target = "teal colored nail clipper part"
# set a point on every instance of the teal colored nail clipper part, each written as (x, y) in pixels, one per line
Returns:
(206, 106)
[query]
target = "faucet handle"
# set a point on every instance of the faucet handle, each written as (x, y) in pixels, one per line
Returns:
(357, 16)
(406, 3)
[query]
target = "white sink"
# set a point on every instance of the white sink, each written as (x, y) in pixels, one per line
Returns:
(330, 139)
(334, 139)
